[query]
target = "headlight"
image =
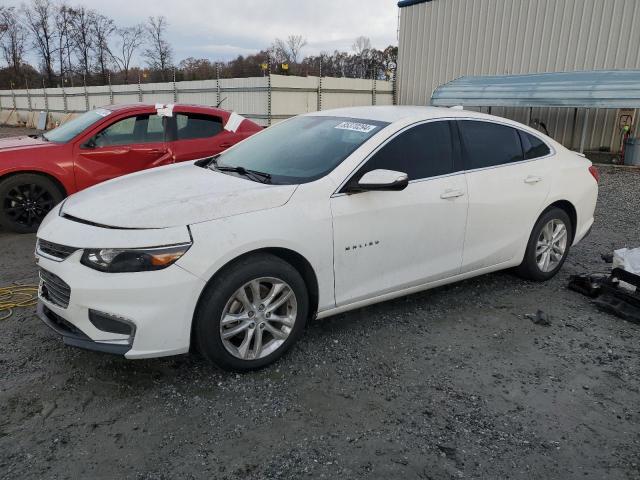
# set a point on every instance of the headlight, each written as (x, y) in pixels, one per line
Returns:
(118, 260)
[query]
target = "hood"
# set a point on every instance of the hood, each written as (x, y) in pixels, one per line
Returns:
(15, 143)
(171, 196)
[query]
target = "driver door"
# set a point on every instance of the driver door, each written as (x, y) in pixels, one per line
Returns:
(128, 145)
(385, 241)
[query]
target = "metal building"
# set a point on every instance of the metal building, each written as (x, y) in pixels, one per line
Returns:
(440, 40)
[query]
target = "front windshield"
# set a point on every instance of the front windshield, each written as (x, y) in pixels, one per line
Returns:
(302, 149)
(70, 129)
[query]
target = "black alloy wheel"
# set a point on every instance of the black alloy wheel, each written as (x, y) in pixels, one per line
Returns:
(25, 201)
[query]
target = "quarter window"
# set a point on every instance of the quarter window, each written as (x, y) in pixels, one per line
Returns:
(423, 151)
(489, 144)
(192, 125)
(532, 146)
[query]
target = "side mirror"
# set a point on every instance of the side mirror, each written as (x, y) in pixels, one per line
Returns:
(91, 143)
(380, 180)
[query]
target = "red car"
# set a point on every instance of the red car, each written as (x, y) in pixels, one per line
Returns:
(38, 171)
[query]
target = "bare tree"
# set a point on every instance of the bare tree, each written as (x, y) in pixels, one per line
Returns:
(82, 24)
(362, 48)
(3, 25)
(288, 50)
(102, 28)
(159, 54)
(361, 45)
(294, 45)
(278, 52)
(129, 40)
(13, 39)
(39, 17)
(63, 19)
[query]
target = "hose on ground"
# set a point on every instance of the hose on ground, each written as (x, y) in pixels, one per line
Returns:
(16, 296)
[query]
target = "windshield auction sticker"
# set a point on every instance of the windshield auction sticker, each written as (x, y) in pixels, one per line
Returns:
(356, 127)
(102, 112)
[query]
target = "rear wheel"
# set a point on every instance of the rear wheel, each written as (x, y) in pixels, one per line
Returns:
(251, 313)
(25, 199)
(548, 246)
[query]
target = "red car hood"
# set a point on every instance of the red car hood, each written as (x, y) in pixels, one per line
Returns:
(18, 143)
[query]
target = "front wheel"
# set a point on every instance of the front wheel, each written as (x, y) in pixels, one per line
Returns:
(25, 199)
(251, 313)
(548, 246)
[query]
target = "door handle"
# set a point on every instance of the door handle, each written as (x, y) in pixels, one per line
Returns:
(531, 179)
(451, 193)
(225, 145)
(150, 151)
(119, 151)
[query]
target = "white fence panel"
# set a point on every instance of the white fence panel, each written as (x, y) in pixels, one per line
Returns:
(293, 95)
(265, 99)
(123, 94)
(247, 96)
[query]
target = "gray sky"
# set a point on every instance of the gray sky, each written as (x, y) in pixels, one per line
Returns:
(222, 29)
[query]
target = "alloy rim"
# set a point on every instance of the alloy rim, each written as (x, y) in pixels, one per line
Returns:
(551, 245)
(258, 318)
(27, 204)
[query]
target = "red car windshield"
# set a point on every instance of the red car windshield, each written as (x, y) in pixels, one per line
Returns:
(72, 128)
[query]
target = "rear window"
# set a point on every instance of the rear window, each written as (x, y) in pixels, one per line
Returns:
(489, 144)
(191, 125)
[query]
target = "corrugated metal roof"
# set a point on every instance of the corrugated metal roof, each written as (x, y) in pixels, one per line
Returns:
(408, 3)
(588, 89)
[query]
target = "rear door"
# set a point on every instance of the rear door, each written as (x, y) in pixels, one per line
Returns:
(128, 145)
(199, 135)
(388, 240)
(507, 186)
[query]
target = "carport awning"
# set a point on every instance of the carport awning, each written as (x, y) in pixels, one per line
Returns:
(589, 89)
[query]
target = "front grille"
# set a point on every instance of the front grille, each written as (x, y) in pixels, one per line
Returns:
(54, 289)
(54, 250)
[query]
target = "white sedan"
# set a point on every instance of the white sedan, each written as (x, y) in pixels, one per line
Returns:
(318, 215)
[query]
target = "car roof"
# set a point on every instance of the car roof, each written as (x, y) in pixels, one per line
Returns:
(396, 113)
(407, 114)
(144, 106)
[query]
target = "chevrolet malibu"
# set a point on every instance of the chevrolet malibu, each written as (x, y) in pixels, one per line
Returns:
(38, 171)
(318, 215)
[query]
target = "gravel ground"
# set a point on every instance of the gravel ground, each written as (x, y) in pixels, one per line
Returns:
(455, 382)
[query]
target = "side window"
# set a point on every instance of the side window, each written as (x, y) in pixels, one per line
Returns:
(118, 133)
(191, 125)
(532, 146)
(423, 151)
(138, 129)
(489, 144)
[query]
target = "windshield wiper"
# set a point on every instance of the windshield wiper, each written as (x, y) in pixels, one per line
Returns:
(261, 177)
(258, 176)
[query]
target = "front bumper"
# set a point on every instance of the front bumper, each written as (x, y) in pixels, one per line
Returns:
(159, 305)
(73, 336)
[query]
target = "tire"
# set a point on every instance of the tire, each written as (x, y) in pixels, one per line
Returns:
(222, 298)
(25, 199)
(531, 267)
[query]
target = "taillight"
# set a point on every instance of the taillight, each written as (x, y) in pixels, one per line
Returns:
(594, 172)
